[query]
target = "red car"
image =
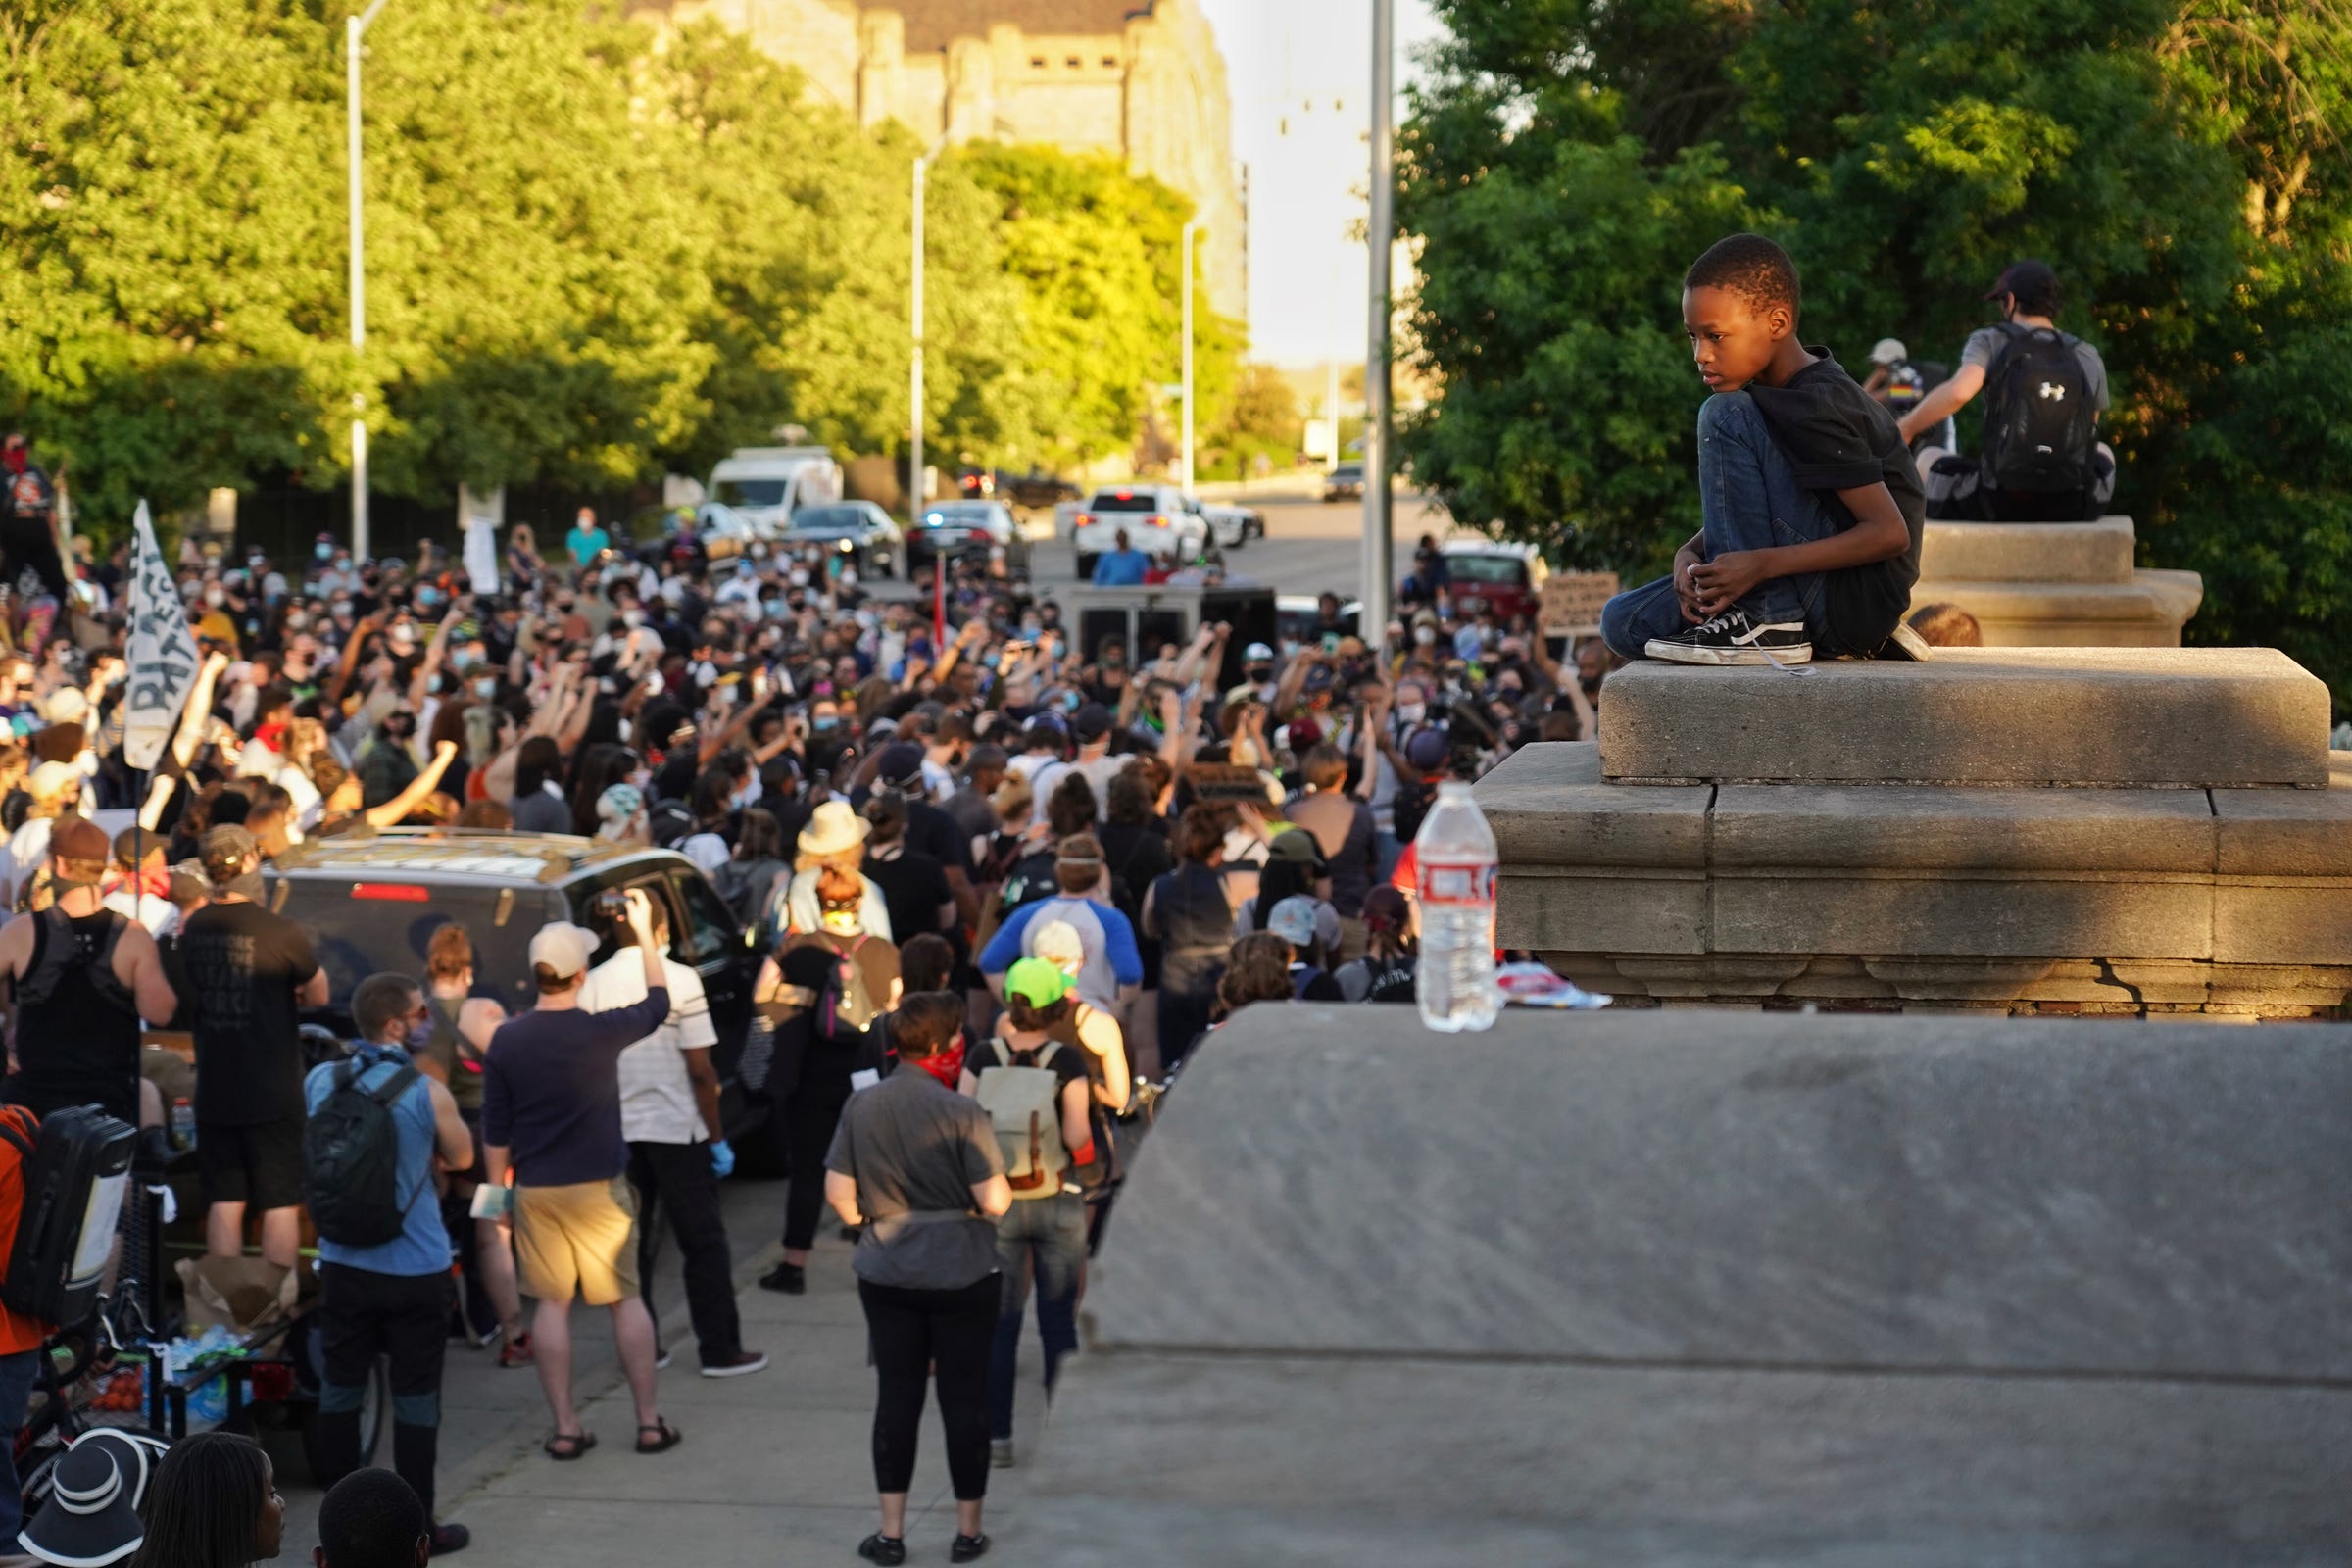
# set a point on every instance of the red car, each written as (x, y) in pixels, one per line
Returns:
(1485, 573)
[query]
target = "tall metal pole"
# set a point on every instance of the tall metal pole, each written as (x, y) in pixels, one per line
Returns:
(1191, 230)
(355, 28)
(1379, 545)
(914, 378)
(914, 393)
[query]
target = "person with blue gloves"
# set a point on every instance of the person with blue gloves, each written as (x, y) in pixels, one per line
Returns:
(678, 1149)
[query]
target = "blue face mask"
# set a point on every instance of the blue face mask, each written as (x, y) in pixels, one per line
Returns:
(486, 687)
(324, 551)
(1070, 702)
(823, 722)
(428, 598)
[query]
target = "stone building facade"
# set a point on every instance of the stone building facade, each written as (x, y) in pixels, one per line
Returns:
(1139, 78)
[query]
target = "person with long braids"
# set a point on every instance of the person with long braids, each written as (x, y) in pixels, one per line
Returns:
(214, 1503)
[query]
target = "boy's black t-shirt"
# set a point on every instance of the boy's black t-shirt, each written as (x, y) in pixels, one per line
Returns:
(1838, 437)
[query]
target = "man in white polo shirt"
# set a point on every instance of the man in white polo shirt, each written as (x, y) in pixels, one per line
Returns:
(678, 1145)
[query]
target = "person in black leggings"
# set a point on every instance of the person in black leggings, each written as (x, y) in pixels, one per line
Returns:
(833, 987)
(916, 1164)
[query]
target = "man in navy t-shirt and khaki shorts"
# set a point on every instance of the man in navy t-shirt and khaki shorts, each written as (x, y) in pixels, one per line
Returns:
(551, 1117)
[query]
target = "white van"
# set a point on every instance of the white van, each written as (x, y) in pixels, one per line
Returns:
(766, 485)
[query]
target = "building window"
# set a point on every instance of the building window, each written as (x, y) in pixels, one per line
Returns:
(1037, 61)
(1110, 61)
(1073, 62)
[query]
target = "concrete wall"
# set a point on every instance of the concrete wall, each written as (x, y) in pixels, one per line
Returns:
(1660, 1288)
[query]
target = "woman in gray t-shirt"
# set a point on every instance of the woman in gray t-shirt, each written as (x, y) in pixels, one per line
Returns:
(917, 1166)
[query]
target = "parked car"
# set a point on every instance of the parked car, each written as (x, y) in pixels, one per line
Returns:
(1231, 526)
(1345, 482)
(1036, 488)
(951, 527)
(371, 902)
(1157, 518)
(725, 533)
(1488, 573)
(859, 529)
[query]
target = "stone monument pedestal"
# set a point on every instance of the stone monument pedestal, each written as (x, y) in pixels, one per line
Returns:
(1645, 1291)
(2054, 584)
(2038, 831)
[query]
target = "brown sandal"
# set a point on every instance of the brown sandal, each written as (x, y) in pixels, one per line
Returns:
(569, 1444)
(666, 1436)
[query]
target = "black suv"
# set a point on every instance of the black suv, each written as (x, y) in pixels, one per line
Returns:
(371, 902)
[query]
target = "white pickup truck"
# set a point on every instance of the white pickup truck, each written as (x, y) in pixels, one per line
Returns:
(1158, 519)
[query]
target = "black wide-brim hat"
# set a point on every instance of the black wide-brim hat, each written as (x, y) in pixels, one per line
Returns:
(91, 1518)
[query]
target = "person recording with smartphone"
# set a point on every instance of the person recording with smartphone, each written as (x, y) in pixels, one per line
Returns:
(551, 1117)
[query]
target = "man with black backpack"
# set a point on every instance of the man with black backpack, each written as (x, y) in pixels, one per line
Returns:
(2042, 458)
(375, 1127)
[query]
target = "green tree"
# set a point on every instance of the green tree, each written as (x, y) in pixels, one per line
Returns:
(171, 267)
(2180, 163)
(1263, 418)
(804, 223)
(589, 258)
(1095, 251)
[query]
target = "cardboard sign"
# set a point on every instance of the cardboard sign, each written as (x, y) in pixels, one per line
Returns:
(1572, 601)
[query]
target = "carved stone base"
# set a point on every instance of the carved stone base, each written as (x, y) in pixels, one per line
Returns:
(2024, 987)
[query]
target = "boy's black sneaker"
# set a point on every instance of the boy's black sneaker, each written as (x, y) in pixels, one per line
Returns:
(1732, 639)
(789, 1278)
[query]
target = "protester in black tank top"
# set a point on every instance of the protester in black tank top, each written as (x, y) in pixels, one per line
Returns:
(80, 976)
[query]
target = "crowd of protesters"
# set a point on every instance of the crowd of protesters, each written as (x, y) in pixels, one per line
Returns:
(1018, 878)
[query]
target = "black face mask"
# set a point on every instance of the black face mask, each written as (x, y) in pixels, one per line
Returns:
(1259, 672)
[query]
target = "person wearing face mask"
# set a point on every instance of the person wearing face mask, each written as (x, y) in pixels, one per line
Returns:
(392, 1299)
(1257, 671)
(213, 622)
(587, 540)
(386, 764)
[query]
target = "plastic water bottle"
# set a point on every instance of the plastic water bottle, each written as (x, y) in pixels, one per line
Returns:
(1455, 859)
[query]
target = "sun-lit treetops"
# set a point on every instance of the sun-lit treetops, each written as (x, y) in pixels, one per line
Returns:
(589, 258)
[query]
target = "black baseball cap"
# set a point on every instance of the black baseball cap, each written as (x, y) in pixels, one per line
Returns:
(1091, 723)
(2032, 281)
(902, 764)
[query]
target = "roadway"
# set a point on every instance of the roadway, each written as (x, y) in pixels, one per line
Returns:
(1308, 548)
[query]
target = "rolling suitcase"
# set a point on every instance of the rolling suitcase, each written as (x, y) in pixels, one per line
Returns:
(76, 1170)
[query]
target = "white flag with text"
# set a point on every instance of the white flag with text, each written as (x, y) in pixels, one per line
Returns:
(162, 652)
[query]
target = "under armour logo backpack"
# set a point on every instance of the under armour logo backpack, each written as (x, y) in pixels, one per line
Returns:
(2038, 421)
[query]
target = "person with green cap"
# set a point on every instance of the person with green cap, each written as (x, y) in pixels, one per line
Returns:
(1036, 1092)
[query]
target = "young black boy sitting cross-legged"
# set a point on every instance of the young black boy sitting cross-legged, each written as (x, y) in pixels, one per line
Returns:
(1809, 503)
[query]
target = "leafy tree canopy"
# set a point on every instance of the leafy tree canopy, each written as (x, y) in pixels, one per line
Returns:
(589, 258)
(2181, 163)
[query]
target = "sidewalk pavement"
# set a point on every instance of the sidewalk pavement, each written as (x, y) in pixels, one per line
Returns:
(776, 1468)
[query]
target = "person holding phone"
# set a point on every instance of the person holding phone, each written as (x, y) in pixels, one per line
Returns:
(551, 1125)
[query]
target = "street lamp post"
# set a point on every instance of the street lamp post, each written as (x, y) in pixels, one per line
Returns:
(355, 28)
(1193, 230)
(915, 388)
(1378, 541)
